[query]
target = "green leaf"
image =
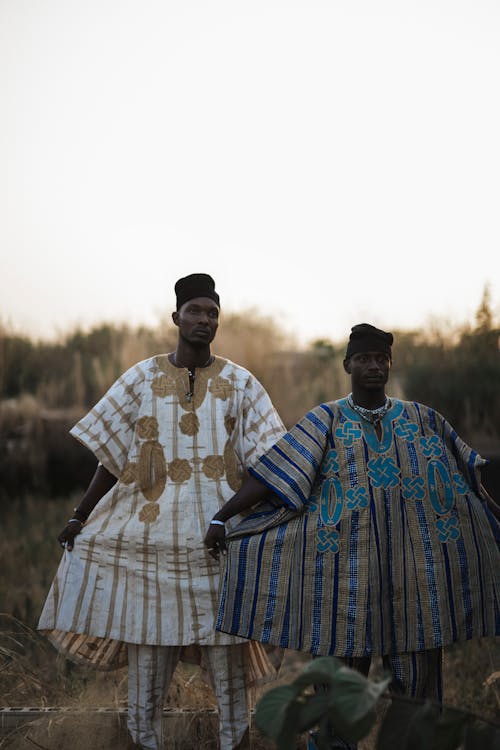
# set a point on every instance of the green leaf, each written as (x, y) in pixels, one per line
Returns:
(273, 710)
(287, 737)
(312, 710)
(327, 664)
(320, 671)
(356, 695)
(347, 701)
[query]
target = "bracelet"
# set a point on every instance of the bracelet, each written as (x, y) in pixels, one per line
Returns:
(77, 520)
(78, 512)
(217, 523)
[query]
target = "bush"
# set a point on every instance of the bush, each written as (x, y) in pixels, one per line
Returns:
(347, 701)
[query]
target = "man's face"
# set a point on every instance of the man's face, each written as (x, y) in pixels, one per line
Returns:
(197, 320)
(369, 370)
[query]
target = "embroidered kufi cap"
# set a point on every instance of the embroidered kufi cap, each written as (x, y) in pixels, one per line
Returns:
(195, 285)
(366, 338)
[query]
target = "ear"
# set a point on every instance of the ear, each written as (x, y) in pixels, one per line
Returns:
(175, 318)
(347, 365)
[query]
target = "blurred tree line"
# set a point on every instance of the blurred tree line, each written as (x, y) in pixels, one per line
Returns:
(45, 387)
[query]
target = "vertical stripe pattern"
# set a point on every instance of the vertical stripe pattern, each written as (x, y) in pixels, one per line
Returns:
(139, 572)
(383, 546)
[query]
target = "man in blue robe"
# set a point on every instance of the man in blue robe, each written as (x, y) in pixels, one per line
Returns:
(371, 535)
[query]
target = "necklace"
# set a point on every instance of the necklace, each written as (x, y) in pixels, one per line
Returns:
(370, 415)
(191, 374)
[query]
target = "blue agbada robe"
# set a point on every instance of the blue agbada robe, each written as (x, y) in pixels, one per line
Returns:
(380, 546)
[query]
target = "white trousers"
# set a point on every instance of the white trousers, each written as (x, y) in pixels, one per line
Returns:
(150, 672)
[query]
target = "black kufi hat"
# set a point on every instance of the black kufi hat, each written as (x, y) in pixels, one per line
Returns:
(366, 338)
(195, 285)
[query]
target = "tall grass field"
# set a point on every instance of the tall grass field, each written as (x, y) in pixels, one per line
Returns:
(33, 674)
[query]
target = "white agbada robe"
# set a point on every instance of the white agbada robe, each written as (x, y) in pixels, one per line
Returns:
(139, 571)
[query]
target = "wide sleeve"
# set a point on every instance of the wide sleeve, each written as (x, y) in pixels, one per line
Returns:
(262, 425)
(290, 467)
(108, 429)
(468, 461)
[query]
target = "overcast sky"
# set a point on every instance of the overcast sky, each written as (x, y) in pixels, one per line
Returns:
(328, 162)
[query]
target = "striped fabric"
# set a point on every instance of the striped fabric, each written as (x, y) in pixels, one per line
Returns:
(139, 572)
(383, 546)
(151, 669)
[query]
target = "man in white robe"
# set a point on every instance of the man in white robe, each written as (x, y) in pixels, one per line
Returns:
(174, 437)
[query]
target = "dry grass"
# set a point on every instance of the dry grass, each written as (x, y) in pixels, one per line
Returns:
(32, 675)
(191, 721)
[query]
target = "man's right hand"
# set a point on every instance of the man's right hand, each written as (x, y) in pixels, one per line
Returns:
(67, 536)
(102, 481)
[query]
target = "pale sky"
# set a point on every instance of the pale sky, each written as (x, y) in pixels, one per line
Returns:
(328, 162)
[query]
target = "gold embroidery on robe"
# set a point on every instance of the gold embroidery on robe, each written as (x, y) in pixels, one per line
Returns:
(180, 379)
(232, 467)
(179, 470)
(163, 386)
(221, 388)
(140, 566)
(147, 428)
(152, 470)
(129, 473)
(149, 513)
(213, 467)
(189, 423)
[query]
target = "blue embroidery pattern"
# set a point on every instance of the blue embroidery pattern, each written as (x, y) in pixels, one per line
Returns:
(331, 507)
(448, 528)
(357, 497)
(312, 503)
(460, 484)
(383, 472)
(435, 480)
(348, 432)
(440, 487)
(406, 430)
(413, 488)
(432, 446)
(331, 493)
(328, 540)
(330, 464)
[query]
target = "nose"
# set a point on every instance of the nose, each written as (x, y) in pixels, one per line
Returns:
(374, 364)
(203, 318)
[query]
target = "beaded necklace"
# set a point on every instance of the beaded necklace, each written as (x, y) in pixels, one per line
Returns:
(370, 415)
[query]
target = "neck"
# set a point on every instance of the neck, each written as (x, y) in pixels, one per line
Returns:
(369, 399)
(190, 358)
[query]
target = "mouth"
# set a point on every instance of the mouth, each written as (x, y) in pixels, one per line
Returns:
(202, 333)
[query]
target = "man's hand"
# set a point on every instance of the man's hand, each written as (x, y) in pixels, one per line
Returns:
(251, 492)
(67, 536)
(215, 540)
(101, 482)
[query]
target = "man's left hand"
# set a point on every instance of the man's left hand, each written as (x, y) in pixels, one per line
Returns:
(215, 540)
